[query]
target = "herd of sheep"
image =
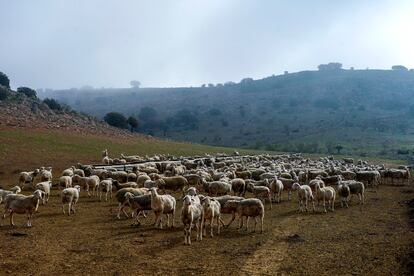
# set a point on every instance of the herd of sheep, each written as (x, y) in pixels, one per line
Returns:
(208, 187)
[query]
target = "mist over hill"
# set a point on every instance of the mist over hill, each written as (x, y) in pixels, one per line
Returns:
(359, 112)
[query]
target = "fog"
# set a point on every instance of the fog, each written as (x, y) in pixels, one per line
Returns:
(63, 44)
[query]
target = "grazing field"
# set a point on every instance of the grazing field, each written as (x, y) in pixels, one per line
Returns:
(24, 150)
(374, 239)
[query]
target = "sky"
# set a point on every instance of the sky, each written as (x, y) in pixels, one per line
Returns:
(60, 44)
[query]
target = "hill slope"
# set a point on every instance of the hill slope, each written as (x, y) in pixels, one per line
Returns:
(33, 135)
(368, 112)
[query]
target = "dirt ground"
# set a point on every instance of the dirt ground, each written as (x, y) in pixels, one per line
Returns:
(374, 239)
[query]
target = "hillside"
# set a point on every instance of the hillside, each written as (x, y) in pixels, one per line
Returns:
(33, 135)
(367, 112)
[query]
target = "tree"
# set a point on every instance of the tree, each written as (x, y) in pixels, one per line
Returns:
(339, 148)
(4, 93)
(399, 68)
(147, 114)
(135, 83)
(52, 104)
(116, 119)
(4, 80)
(133, 123)
(27, 91)
(332, 66)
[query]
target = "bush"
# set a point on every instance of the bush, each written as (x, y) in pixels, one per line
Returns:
(52, 104)
(4, 80)
(4, 93)
(27, 91)
(116, 119)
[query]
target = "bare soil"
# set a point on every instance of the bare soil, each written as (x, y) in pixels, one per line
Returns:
(374, 239)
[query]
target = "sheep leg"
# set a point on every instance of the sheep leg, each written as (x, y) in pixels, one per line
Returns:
(198, 228)
(211, 226)
(231, 221)
(11, 218)
(270, 200)
(205, 228)
(306, 204)
(289, 195)
(189, 233)
(300, 205)
(218, 225)
(255, 223)
(185, 234)
(69, 208)
(240, 222)
(324, 207)
(261, 224)
(29, 223)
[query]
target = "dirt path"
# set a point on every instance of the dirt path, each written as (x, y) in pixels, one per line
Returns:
(375, 239)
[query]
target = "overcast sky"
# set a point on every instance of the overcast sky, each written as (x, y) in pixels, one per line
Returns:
(64, 44)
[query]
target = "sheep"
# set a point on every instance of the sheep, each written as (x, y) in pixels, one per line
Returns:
(317, 181)
(238, 185)
(162, 204)
(121, 176)
(194, 179)
(45, 174)
(217, 188)
(261, 192)
(344, 192)
(21, 204)
(211, 211)
(243, 174)
(70, 196)
(27, 178)
(105, 186)
(355, 188)
(372, 178)
(4, 193)
(276, 188)
(137, 204)
(132, 177)
(304, 196)
(172, 183)
(252, 207)
(120, 197)
(228, 207)
(325, 194)
(68, 172)
(88, 181)
(65, 181)
(287, 185)
(124, 185)
(141, 179)
(45, 187)
(191, 214)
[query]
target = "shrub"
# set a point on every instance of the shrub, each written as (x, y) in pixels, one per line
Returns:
(52, 104)
(4, 80)
(27, 91)
(116, 119)
(4, 93)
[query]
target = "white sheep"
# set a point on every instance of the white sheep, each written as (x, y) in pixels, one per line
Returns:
(276, 188)
(191, 214)
(105, 186)
(325, 194)
(251, 207)
(304, 196)
(162, 204)
(27, 178)
(211, 211)
(261, 192)
(45, 187)
(21, 204)
(65, 181)
(4, 193)
(70, 196)
(138, 204)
